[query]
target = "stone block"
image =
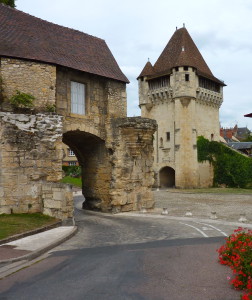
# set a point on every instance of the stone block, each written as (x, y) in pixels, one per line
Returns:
(52, 204)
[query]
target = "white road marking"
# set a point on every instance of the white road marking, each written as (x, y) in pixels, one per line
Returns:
(222, 232)
(203, 233)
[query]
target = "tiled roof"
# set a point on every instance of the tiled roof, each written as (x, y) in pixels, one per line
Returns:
(182, 51)
(147, 70)
(240, 145)
(28, 37)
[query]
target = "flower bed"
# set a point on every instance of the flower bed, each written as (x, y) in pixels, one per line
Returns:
(237, 254)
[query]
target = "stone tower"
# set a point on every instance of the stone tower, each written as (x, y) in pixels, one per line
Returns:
(180, 92)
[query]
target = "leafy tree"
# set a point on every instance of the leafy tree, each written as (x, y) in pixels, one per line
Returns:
(11, 3)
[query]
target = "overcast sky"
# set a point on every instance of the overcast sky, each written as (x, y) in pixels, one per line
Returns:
(136, 30)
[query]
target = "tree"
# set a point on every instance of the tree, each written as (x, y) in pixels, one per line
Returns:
(10, 3)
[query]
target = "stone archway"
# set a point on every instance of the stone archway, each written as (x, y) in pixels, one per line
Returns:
(167, 177)
(93, 158)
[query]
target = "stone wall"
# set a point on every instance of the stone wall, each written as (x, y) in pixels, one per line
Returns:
(104, 99)
(31, 158)
(115, 152)
(37, 79)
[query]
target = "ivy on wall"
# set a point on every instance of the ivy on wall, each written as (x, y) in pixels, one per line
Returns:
(230, 167)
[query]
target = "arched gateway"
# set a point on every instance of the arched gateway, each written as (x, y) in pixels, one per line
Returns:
(167, 177)
(80, 100)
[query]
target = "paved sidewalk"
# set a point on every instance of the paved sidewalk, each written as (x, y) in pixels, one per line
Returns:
(32, 246)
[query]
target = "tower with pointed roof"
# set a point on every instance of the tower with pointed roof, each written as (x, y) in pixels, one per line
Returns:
(181, 93)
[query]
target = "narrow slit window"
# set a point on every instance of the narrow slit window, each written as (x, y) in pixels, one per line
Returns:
(187, 77)
(168, 136)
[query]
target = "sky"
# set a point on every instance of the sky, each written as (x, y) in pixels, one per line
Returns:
(136, 30)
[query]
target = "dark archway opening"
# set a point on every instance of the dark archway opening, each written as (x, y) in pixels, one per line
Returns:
(93, 157)
(167, 177)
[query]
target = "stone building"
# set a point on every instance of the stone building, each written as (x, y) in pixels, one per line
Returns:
(76, 76)
(180, 92)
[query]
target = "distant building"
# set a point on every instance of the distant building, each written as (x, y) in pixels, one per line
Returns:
(70, 158)
(181, 93)
(244, 147)
(235, 134)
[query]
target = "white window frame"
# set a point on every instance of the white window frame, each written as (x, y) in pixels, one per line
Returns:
(77, 98)
(72, 163)
(70, 152)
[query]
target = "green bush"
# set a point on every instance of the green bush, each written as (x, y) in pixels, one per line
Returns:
(22, 100)
(230, 167)
(73, 171)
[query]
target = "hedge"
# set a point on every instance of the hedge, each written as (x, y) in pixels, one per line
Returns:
(230, 167)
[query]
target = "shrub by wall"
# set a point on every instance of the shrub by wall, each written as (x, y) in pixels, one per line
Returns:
(230, 167)
(73, 171)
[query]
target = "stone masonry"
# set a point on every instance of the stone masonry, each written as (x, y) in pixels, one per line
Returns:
(114, 152)
(30, 157)
(16, 75)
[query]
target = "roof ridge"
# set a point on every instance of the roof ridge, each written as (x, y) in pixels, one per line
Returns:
(49, 22)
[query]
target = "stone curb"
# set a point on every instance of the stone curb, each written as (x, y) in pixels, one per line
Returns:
(31, 232)
(42, 250)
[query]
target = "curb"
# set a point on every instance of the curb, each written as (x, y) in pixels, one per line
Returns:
(31, 232)
(42, 250)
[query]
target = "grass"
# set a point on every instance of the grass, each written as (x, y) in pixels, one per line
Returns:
(73, 181)
(20, 223)
(213, 191)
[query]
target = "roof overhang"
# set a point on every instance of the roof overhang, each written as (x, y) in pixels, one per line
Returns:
(248, 115)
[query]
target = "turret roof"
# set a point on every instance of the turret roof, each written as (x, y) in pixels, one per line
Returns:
(147, 70)
(182, 51)
(28, 37)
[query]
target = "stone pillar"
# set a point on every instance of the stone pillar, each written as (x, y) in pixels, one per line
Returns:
(132, 160)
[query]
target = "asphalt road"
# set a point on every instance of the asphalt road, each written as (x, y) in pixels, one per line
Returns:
(125, 257)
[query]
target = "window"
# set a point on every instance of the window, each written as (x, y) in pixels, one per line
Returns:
(186, 77)
(72, 163)
(168, 136)
(70, 152)
(77, 98)
(209, 84)
(158, 83)
(185, 68)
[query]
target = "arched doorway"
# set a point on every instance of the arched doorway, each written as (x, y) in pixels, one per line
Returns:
(167, 177)
(93, 158)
